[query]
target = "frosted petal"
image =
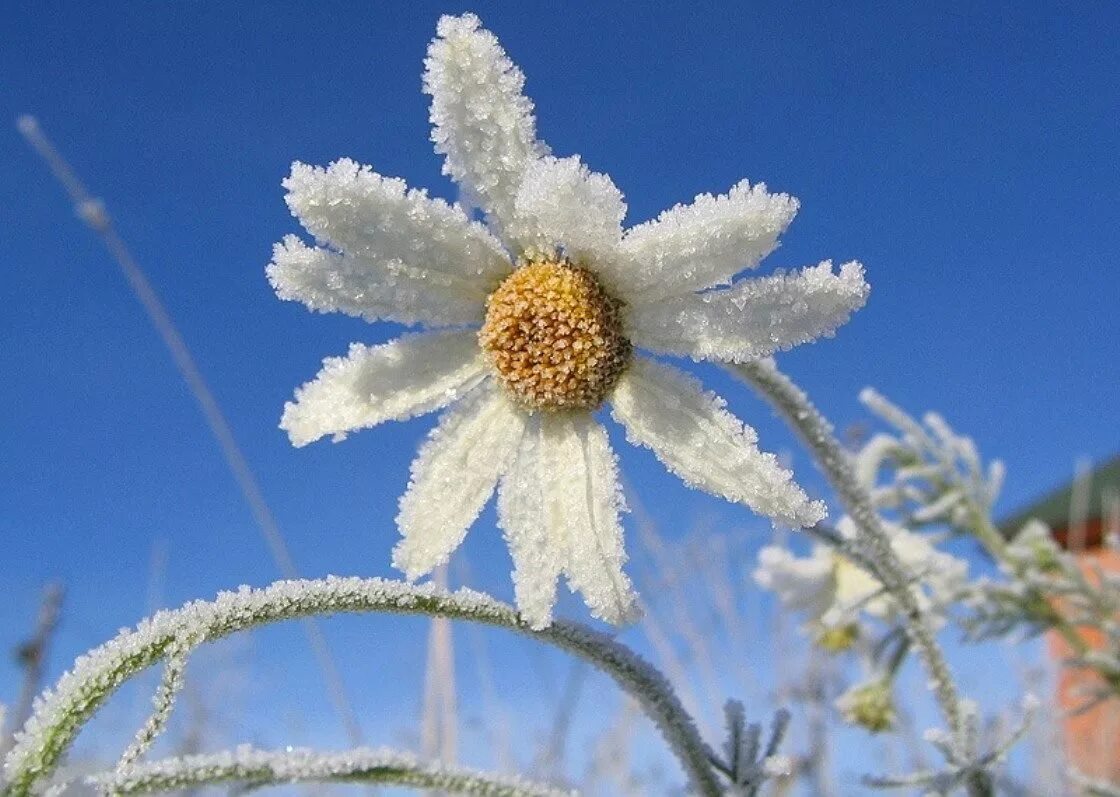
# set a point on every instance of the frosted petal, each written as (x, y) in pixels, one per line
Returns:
(583, 496)
(537, 549)
(559, 506)
(330, 282)
(691, 247)
(754, 318)
(363, 214)
(563, 204)
(693, 435)
(481, 122)
(409, 376)
(453, 477)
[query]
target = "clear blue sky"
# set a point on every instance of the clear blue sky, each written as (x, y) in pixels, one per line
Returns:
(965, 152)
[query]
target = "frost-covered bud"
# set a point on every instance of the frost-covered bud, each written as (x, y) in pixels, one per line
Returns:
(869, 705)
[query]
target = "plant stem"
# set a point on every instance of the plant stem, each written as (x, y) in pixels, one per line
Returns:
(96, 676)
(817, 433)
(252, 769)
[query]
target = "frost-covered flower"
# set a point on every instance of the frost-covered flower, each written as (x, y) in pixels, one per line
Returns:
(538, 315)
(833, 591)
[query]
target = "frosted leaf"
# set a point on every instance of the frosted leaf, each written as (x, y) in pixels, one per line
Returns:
(481, 121)
(691, 247)
(363, 214)
(559, 506)
(327, 281)
(410, 376)
(710, 449)
(754, 318)
(563, 204)
(453, 477)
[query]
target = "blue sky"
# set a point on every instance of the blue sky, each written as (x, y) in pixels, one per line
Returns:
(966, 153)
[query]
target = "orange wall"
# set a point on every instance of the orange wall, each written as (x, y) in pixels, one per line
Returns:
(1092, 737)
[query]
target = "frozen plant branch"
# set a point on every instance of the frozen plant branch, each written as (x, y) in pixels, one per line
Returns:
(250, 768)
(817, 433)
(60, 713)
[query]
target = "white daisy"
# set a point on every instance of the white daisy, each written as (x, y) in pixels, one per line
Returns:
(835, 593)
(538, 316)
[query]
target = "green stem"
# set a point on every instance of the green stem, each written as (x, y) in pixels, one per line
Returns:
(96, 676)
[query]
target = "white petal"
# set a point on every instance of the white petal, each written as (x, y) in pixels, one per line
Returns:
(453, 477)
(691, 247)
(710, 449)
(537, 550)
(582, 495)
(559, 505)
(481, 121)
(801, 583)
(754, 318)
(362, 214)
(409, 376)
(563, 204)
(329, 282)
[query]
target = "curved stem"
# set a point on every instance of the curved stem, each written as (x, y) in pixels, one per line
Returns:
(97, 675)
(817, 433)
(256, 768)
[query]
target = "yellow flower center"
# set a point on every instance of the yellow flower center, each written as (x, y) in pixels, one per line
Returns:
(555, 336)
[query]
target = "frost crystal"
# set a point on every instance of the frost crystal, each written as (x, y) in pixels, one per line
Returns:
(384, 252)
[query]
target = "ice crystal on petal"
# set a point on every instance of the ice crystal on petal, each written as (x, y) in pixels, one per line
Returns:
(363, 214)
(692, 247)
(453, 476)
(689, 430)
(329, 282)
(563, 204)
(537, 549)
(559, 506)
(409, 376)
(754, 318)
(481, 121)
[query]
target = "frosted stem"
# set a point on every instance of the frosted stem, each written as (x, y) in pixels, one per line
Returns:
(817, 433)
(251, 769)
(60, 714)
(163, 702)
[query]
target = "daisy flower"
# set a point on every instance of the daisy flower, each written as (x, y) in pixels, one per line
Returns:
(835, 593)
(535, 321)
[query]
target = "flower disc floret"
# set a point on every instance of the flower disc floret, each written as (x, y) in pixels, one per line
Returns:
(554, 337)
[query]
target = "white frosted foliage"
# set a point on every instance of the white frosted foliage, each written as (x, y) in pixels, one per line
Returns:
(691, 247)
(561, 203)
(453, 476)
(329, 282)
(482, 122)
(753, 318)
(409, 376)
(363, 214)
(559, 506)
(710, 449)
